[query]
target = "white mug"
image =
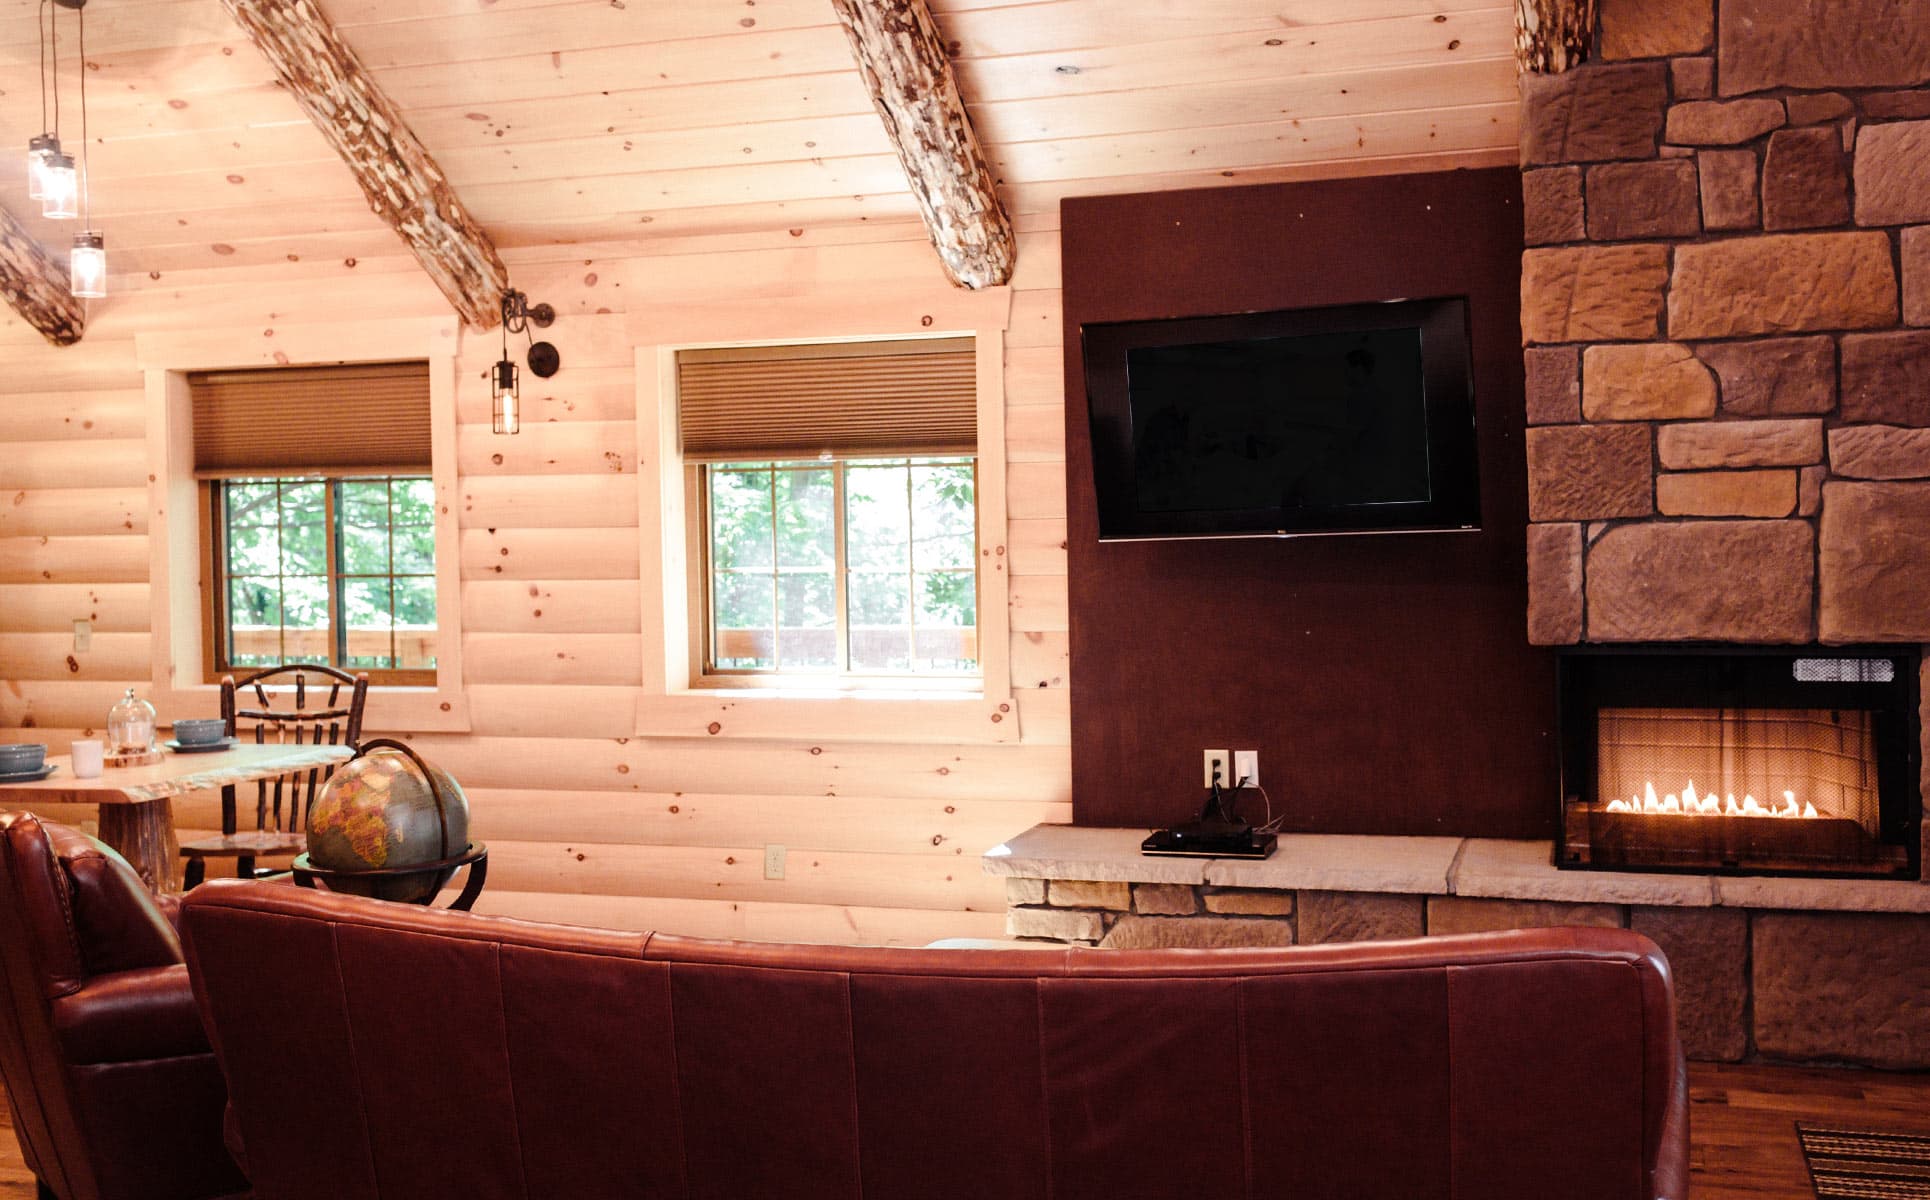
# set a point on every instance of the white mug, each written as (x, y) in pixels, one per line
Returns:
(87, 755)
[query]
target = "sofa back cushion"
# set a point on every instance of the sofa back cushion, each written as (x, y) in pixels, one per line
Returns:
(36, 901)
(576, 1062)
(119, 924)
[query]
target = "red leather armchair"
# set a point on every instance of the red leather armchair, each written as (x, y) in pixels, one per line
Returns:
(446, 1056)
(114, 1092)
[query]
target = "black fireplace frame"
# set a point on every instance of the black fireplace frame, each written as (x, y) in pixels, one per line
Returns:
(1699, 675)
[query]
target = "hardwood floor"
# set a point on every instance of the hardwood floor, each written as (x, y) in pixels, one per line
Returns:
(1742, 1125)
(1742, 1122)
(16, 1183)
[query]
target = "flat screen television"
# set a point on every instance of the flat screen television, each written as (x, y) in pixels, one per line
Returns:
(1357, 418)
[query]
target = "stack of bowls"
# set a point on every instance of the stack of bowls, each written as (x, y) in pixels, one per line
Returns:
(200, 731)
(22, 758)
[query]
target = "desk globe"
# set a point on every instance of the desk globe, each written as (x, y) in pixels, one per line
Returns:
(383, 810)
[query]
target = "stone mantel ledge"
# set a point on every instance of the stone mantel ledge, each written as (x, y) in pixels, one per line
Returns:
(1329, 862)
(1314, 861)
(1504, 870)
(1090, 852)
(1440, 866)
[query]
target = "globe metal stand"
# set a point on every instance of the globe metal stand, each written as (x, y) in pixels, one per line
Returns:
(475, 855)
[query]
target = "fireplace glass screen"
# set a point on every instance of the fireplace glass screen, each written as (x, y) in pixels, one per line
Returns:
(1800, 764)
(1771, 785)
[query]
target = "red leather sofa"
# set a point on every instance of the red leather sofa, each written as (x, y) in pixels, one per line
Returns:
(115, 1095)
(378, 1050)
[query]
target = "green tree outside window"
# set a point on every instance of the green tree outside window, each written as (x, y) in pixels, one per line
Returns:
(336, 570)
(858, 567)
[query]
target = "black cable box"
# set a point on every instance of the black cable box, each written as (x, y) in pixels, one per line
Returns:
(1212, 841)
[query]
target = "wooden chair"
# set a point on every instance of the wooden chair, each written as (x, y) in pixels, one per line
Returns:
(281, 804)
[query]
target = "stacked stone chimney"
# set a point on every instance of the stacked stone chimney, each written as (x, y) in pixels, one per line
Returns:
(1726, 305)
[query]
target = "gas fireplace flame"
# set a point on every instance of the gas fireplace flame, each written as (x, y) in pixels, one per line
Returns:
(1687, 803)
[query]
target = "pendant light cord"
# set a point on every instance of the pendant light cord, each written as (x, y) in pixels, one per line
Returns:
(86, 182)
(40, 28)
(53, 30)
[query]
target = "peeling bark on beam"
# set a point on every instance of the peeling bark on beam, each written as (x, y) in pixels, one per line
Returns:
(403, 184)
(35, 284)
(1553, 35)
(911, 83)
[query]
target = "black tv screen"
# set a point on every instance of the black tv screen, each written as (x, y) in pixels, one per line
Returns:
(1358, 418)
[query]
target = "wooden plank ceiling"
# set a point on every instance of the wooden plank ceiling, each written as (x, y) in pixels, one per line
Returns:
(596, 121)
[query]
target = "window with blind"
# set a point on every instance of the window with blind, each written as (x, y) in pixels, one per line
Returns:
(835, 512)
(321, 518)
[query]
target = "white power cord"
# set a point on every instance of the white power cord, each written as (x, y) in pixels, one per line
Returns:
(1273, 823)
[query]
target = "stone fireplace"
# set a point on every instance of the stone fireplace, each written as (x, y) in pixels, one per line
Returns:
(1725, 302)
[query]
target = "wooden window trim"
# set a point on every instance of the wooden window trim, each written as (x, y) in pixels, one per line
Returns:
(180, 624)
(668, 705)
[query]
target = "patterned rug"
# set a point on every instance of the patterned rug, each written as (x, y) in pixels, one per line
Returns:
(1870, 1164)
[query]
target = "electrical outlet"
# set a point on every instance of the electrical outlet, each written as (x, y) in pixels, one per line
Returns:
(83, 636)
(1216, 762)
(1246, 767)
(773, 862)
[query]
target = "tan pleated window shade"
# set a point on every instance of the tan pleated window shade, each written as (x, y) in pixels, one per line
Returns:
(302, 420)
(849, 399)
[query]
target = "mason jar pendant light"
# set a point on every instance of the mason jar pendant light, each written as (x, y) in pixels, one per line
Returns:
(60, 188)
(87, 266)
(50, 171)
(65, 193)
(87, 269)
(42, 149)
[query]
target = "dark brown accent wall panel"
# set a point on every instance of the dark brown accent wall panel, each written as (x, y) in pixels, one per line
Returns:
(1386, 680)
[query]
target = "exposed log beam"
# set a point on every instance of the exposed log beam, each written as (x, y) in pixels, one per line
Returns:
(403, 184)
(35, 284)
(1553, 35)
(904, 66)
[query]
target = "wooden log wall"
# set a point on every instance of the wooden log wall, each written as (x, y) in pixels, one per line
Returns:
(587, 822)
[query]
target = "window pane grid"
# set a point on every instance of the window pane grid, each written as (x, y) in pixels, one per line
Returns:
(338, 591)
(903, 567)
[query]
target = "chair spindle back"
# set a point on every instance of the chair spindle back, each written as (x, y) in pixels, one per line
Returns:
(285, 718)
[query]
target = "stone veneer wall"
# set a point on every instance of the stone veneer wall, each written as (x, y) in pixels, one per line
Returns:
(1750, 984)
(1726, 304)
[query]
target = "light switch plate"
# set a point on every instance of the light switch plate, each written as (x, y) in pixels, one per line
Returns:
(1246, 766)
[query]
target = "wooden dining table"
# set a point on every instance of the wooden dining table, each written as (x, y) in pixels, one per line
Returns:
(136, 817)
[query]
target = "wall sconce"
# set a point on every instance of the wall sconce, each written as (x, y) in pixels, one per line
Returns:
(505, 396)
(505, 400)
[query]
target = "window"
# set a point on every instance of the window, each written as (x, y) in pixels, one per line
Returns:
(858, 567)
(320, 519)
(834, 511)
(331, 570)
